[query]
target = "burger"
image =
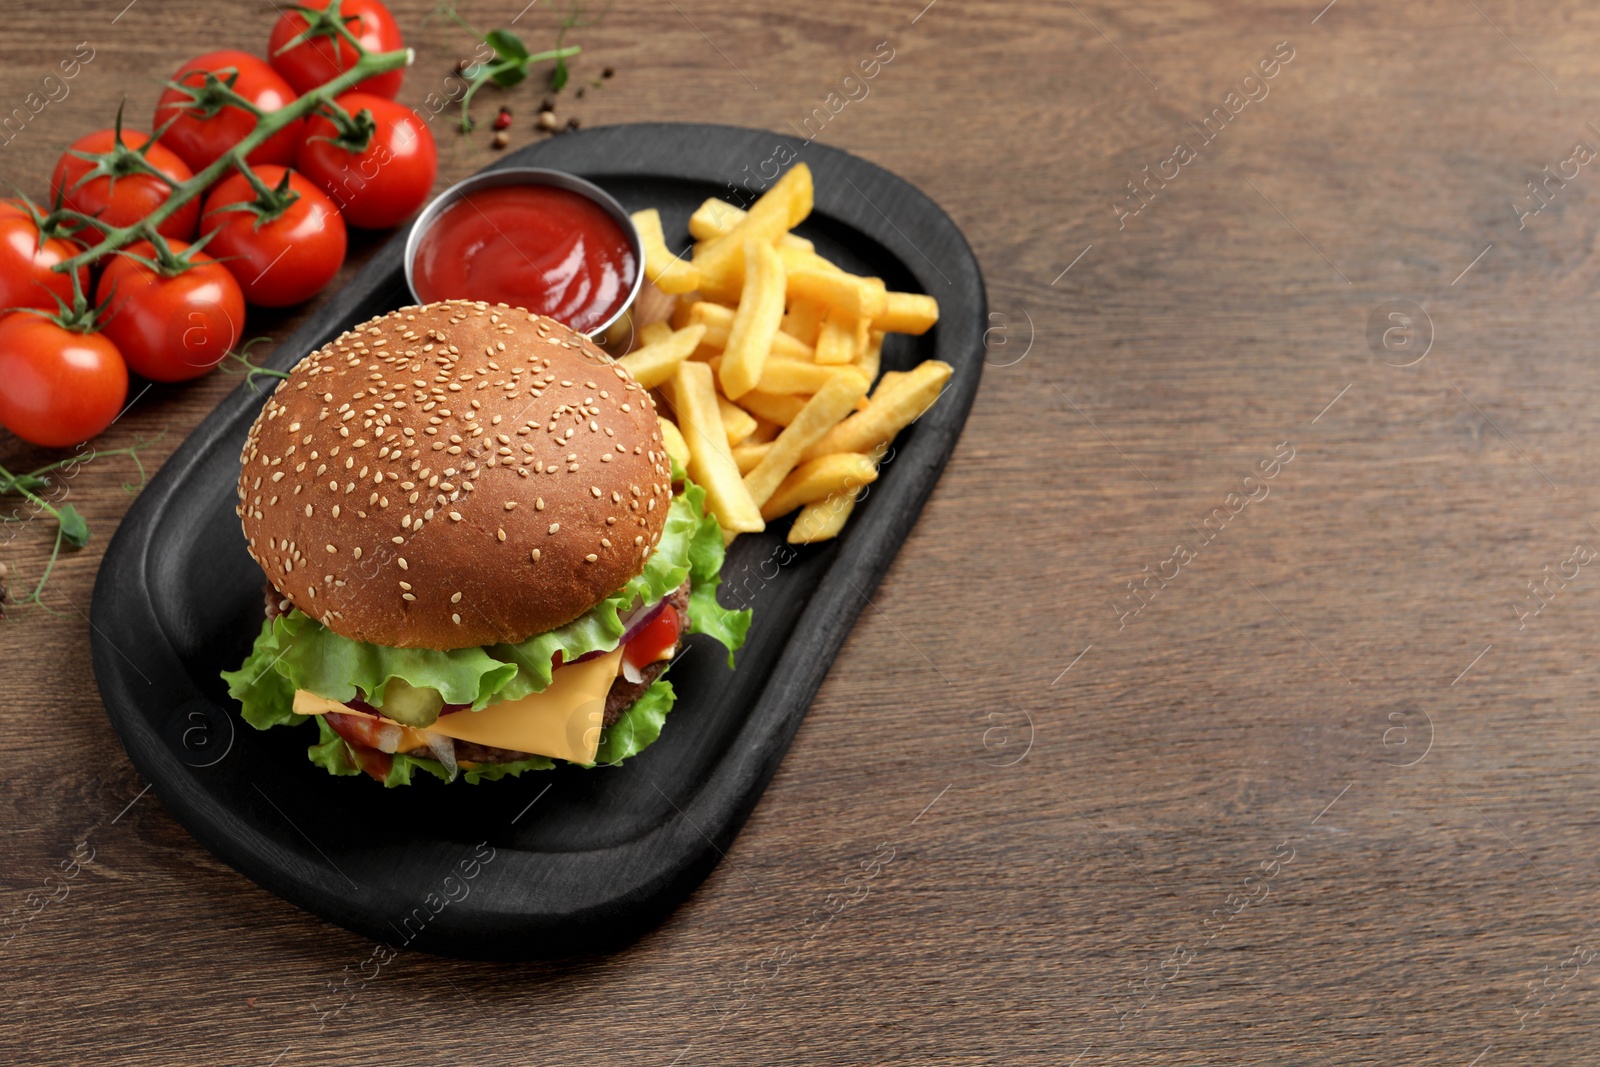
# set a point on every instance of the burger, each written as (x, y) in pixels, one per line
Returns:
(480, 558)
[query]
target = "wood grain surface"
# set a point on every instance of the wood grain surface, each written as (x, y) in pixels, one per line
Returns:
(1323, 790)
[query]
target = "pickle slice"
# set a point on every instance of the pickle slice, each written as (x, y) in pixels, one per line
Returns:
(409, 705)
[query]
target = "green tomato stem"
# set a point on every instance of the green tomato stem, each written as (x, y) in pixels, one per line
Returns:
(234, 159)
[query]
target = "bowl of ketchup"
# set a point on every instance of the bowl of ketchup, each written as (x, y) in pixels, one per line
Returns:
(538, 239)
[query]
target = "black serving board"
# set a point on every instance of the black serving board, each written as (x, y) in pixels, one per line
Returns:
(553, 863)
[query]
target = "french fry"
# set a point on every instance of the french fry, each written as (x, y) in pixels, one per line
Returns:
(766, 430)
(676, 447)
(721, 264)
(863, 338)
(836, 341)
(670, 273)
(800, 259)
(871, 357)
(773, 407)
(711, 465)
(716, 318)
(822, 520)
(792, 376)
(896, 404)
(755, 323)
(749, 456)
(718, 321)
(803, 320)
(716, 217)
(784, 377)
(738, 422)
(818, 479)
(654, 333)
(907, 313)
(832, 403)
(862, 298)
(888, 378)
(654, 364)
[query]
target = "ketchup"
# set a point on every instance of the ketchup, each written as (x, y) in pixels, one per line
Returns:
(538, 247)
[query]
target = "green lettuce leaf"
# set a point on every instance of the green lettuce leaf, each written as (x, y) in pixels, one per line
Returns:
(493, 772)
(319, 661)
(706, 552)
(639, 726)
(330, 752)
(266, 698)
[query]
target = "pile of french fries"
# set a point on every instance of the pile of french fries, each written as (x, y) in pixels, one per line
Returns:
(766, 356)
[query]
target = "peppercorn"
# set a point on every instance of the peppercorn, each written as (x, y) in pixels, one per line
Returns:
(501, 139)
(548, 121)
(502, 121)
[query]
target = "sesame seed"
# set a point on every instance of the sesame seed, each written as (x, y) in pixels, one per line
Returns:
(554, 526)
(535, 555)
(455, 516)
(456, 619)
(511, 505)
(501, 534)
(591, 557)
(403, 564)
(455, 598)
(331, 550)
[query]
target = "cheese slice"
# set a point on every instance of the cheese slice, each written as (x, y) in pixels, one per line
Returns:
(565, 721)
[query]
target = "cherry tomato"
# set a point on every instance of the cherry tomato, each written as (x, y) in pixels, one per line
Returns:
(283, 260)
(381, 186)
(26, 280)
(658, 635)
(133, 195)
(321, 59)
(199, 140)
(170, 329)
(57, 387)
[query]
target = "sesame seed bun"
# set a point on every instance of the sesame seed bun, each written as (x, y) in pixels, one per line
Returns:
(452, 475)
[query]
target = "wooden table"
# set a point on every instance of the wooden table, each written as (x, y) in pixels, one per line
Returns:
(1322, 789)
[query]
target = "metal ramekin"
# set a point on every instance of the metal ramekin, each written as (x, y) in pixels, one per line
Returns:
(493, 179)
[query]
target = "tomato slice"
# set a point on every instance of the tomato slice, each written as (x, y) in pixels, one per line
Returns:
(660, 635)
(360, 737)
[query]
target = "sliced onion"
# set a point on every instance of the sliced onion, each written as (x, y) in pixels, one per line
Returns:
(388, 737)
(444, 750)
(630, 672)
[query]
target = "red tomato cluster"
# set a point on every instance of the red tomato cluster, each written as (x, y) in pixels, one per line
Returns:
(173, 314)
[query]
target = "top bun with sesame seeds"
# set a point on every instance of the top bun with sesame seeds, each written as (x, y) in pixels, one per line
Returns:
(451, 475)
